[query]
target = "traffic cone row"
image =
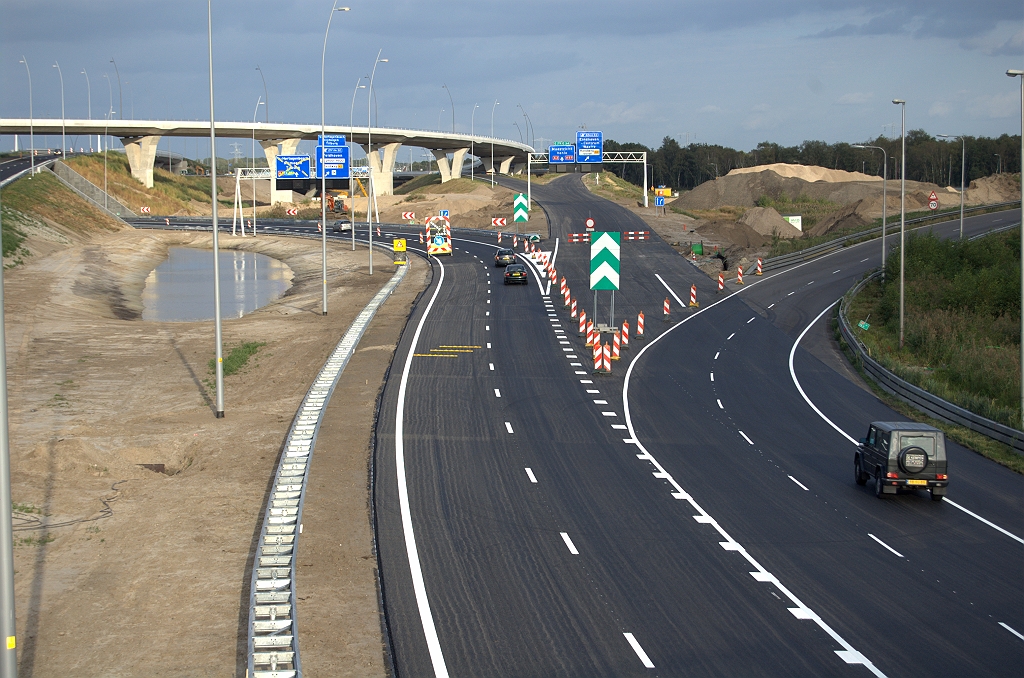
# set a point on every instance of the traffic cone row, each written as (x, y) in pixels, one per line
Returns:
(693, 296)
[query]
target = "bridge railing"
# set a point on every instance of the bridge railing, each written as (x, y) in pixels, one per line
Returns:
(930, 404)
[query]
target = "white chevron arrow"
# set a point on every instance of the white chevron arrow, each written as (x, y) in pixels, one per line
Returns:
(604, 271)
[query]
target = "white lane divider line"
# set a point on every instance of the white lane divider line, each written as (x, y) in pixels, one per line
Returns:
(609, 414)
(791, 293)
(746, 438)
(487, 328)
(836, 271)
(885, 545)
(863, 260)
(618, 427)
(730, 336)
(488, 344)
(508, 427)
(712, 376)
(497, 393)
(717, 353)
(579, 372)
(802, 486)
(586, 381)
(593, 390)
(720, 405)
(491, 365)
(487, 313)
(811, 283)
(529, 474)
(796, 382)
(644, 659)
(1014, 632)
(770, 306)
(600, 402)
(751, 320)
(569, 544)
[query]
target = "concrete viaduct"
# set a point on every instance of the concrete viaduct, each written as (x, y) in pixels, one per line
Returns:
(140, 139)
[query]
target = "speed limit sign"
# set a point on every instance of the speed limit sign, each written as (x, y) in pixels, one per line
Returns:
(590, 224)
(933, 201)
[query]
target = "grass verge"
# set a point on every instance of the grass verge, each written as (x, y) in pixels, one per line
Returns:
(236, 359)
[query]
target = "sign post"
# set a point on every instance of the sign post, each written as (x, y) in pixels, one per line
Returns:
(604, 267)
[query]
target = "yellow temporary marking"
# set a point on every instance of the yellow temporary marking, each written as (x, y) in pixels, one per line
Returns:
(450, 350)
(434, 355)
(454, 346)
(10, 642)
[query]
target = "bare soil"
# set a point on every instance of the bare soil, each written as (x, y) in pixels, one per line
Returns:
(126, 571)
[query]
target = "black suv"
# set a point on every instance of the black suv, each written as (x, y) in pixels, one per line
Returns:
(504, 258)
(902, 455)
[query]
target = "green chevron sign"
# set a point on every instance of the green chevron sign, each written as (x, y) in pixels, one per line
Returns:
(520, 208)
(604, 261)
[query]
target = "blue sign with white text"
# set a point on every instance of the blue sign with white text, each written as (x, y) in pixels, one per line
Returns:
(561, 154)
(659, 201)
(333, 140)
(292, 167)
(589, 146)
(335, 164)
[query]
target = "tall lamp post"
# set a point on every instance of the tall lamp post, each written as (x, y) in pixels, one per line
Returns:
(1013, 74)
(323, 153)
(903, 204)
(219, 413)
(9, 657)
(963, 169)
(472, 144)
(369, 151)
(120, 95)
(31, 125)
(266, 97)
(453, 106)
(492, 141)
(352, 199)
(63, 140)
(259, 102)
(999, 163)
(885, 204)
(88, 91)
(106, 141)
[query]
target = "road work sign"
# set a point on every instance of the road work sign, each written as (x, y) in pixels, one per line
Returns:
(604, 261)
(520, 210)
(933, 201)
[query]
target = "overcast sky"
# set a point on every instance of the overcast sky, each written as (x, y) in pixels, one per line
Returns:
(731, 72)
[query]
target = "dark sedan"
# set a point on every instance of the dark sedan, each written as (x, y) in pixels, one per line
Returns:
(516, 274)
(504, 258)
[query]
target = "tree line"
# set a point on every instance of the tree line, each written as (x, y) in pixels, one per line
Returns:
(929, 159)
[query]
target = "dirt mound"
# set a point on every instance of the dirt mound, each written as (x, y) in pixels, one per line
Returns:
(736, 233)
(996, 188)
(850, 216)
(806, 172)
(743, 189)
(767, 221)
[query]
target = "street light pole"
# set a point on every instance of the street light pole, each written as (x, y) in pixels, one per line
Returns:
(106, 142)
(903, 205)
(31, 124)
(219, 412)
(492, 141)
(369, 150)
(323, 153)
(999, 163)
(1012, 74)
(120, 95)
(963, 168)
(352, 200)
(453, 106)
(88, 91)
(63, 140)
(472, 144)
(266, 97)
(257, 110)
(885, 204)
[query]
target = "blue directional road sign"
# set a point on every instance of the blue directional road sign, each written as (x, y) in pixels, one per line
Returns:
(561, 154)
(334, 163)
(292, 167)
(332, 140)
(589, 146)
(442, 213)
(659, 201)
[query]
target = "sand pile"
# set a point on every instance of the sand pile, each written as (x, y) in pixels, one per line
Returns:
(733, 232)
(996, 188)
(850, 216)
(767, 221)
(744, 188)
(806, 172)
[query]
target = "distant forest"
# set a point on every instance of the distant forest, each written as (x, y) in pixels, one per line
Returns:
(928, 159)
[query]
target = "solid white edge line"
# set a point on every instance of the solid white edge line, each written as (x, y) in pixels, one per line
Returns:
(804, 487)
(850, 655)
(416, 571)
(746, 438)
(670, 290)
(1013, 631)
(644, 659)
(569, 544)
(885, 545)
(814, 407)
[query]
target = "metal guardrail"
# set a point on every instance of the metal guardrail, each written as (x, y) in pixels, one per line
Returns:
(833, 245)
(927, 403)
(273, 642)
(14, 177)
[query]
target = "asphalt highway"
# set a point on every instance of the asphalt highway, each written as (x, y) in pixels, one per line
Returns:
(693, 513)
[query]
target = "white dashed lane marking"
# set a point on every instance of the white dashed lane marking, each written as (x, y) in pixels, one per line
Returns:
(804, 487)
(885, 545)
(508, 427)
(746, 438)
(720, 405)
(717, 354)
(644, 659)
(529, 473)
(712, 376)
(491, 365)
(569, 544)
(751, 320)
(497, 393)
(730, 336)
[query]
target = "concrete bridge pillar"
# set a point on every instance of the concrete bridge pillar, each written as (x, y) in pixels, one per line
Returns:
(453, 170)
(383, 167)
(506, 164)
(141, 152)
(270, 149)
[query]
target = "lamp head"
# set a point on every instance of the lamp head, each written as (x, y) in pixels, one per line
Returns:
(341, 9)
(1014, 73)
(899, 101)
(382, 61)
(857, 146)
